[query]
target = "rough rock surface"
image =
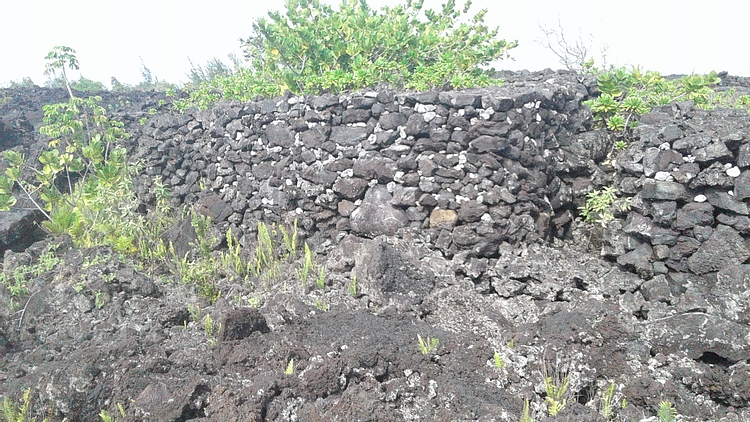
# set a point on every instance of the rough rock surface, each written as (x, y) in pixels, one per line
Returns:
(455, 213)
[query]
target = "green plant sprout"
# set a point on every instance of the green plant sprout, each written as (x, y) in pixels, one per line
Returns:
(321, 280)
(17, 281)
(667, 412)
(352, 287)
(195, 312)
(556, 389)
(526, 413)
(607, 401)
(290, 240)
(626, 95)
(555, 399)
(599, 206)
(99, 301)
(289, 367)
(255, 302)
(498, 360)
(210, 328)
(428, 345)
(106, 417)
(12, 412)
(308, 265)
(321, 305)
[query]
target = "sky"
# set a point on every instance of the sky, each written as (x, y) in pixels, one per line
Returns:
(111, 38)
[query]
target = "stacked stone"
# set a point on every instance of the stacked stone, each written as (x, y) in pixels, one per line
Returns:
(472, 168)
(689, 175)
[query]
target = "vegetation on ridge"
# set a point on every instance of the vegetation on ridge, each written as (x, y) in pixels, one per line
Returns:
(313, 48)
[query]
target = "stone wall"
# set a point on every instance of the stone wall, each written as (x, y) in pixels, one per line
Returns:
(469, 168)
(688, 173)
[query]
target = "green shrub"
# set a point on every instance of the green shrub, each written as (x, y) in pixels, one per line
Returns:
(313, 48)
(88, 85)
(628, 94)
(81, 166)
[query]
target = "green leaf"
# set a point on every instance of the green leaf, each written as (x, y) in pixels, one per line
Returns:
(6, 185)
(13, 173)
(14, 158)
(6, 202)
(50, 157)
(51, 196)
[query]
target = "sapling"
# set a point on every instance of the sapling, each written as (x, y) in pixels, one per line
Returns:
(57, 59)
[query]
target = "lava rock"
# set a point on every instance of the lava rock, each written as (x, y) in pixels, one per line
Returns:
(724, 247)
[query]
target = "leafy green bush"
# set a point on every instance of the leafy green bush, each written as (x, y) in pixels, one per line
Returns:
(626, 95)
(82, 180)
(88, 85)
(602, 204)
(313, 48)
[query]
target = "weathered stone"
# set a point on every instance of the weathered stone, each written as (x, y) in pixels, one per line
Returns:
(699, 335)
(650, 156)
(465, 236)
(743, 158)
(664, 212)
(212, 206)
(348, 135)
(392, 121)
(279, 135)
(725, 201)
(324, 101)
(345, 208)
(351, 188)
(443, 219)
(19, 229)
(238, 324)
(713, 176)
(317, 174)
(656, 290)
(667, 160)
(694, 214)
(670, 133)
(263, 171)
(315, 136)
(689, 143)
(486, 143)
(376, 216)
(427, 166)
(416, 126)
(471, 211)
(382, 169)
(639, 259)
(664, 191)
(354, 115)
(714, 151)
(405, 196)
(392, 270)
(742, 186)
(655, 118)
(724, 247)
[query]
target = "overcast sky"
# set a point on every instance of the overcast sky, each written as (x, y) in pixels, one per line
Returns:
(672, 37)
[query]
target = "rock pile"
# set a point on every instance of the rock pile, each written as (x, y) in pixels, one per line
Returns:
(688, 173)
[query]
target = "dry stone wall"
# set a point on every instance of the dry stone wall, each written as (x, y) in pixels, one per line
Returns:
(470, 168)
(467, 169)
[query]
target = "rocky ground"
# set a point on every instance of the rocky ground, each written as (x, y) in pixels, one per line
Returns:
(656, 304)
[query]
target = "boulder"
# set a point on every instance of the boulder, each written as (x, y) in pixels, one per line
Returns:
(376, 215)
